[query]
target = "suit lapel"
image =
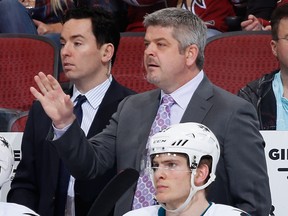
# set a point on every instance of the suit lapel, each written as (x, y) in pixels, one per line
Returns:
(200, 102)
(151, 101)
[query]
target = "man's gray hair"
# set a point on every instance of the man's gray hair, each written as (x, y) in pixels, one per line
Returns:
(188, 28)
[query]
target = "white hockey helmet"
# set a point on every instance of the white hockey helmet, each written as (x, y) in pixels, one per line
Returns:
(192, 139)
(6, 161)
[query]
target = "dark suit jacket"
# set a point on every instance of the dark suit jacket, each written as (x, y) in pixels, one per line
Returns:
(242, 179)
(35, 182)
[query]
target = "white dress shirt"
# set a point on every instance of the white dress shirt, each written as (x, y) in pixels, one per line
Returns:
(182, 97)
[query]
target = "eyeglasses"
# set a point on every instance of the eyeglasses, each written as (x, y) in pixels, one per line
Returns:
(283, 38)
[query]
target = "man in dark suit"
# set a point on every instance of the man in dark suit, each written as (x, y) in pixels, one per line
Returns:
(89, 42)
(173, 59)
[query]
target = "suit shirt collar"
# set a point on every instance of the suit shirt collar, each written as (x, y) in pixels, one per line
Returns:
(95, 95)
(183, 94)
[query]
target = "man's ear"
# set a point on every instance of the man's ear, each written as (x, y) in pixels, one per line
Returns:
(191, 54)
(107, 52)
(202, 173)
(273, 45)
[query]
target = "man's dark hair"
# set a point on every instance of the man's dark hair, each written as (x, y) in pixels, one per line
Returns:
(278, 14)
(104, 26)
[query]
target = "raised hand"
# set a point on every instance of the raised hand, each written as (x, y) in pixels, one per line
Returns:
(55, 102)
(43, 28)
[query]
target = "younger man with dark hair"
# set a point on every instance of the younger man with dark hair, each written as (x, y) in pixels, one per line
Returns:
(89, 43)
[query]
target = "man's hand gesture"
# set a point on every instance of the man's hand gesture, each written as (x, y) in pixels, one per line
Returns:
(55, 102)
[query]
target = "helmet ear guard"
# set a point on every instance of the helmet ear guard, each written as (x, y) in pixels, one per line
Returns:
(6, 161)
(192, 139)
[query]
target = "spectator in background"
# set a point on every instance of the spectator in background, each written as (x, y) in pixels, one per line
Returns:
(117, 7)
(259, 14)
(32, 17)
(137, 9)
(269, 94)
(45, 16)
(173, 59)
(213, 13)
(89, 41)
(182, 173)
(6, 169)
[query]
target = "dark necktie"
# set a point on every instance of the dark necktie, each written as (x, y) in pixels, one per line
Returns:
(78, 107)
(64, 175)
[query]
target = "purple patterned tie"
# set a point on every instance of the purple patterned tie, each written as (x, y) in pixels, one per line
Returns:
(145, 191)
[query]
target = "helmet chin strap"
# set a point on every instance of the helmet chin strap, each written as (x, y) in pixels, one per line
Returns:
(193, 191)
